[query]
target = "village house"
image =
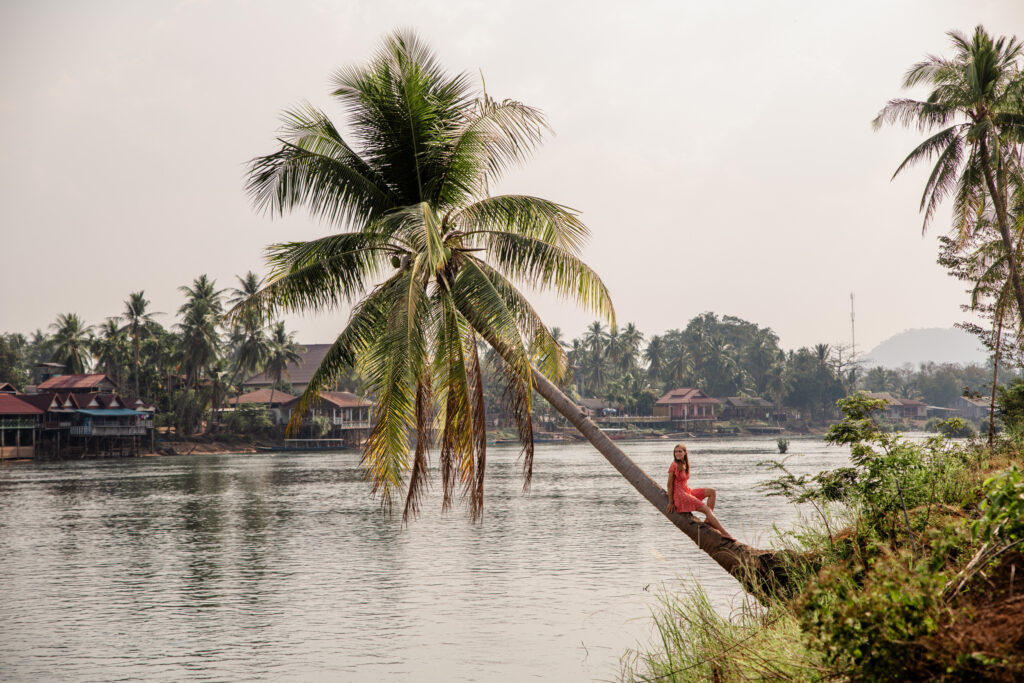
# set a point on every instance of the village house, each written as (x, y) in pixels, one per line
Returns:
(271, 400)
(351, 417)
(77, 415)
(973, 408)
(595, 407)
(901, 408)
(687, 403)
(746, 408)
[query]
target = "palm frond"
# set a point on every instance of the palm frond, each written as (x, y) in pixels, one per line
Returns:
(542, 266)
(526, 216)
(317, 169)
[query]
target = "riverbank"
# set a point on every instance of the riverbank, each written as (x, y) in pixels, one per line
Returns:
(907, 569)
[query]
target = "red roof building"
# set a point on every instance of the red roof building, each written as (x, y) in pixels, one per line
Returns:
(13, 406)
(686, 403)
(345, 410)
(79, 384)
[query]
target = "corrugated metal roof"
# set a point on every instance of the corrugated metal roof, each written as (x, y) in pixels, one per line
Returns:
(12, 405)
(70, 382)
(296, 373)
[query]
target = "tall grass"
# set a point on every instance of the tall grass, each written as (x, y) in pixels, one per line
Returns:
(695, 643)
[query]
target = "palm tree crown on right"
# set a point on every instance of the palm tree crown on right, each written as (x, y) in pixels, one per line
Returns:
(975, 112)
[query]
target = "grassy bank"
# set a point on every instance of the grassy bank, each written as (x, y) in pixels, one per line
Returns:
(910, 568)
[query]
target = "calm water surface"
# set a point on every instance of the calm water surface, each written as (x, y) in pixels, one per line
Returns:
(280, 567)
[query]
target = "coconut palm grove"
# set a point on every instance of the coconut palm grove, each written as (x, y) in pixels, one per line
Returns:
(906, 560)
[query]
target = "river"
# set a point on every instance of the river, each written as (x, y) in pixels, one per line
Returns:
(281, 567)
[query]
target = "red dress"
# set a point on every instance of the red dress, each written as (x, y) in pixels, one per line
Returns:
(685, 498)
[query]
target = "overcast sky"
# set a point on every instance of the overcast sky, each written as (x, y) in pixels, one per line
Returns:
(721, 153)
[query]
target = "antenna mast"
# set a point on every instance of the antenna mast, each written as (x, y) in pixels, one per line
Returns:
(853, 333)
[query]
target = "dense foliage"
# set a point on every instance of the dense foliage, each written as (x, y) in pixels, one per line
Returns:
(188, 371)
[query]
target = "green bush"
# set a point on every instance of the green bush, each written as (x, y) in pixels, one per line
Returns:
(1002, 510)
(249, 419)
(872, 629)
(953, 428)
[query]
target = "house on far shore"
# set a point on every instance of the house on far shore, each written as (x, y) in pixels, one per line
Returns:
(972, 408)
(901, 408)
(746, 408)
(297, 374)
(687, 404)
(351, 417)
(596, 407)
(272, 401)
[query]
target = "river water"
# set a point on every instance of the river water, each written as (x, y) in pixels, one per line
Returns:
(281, 567)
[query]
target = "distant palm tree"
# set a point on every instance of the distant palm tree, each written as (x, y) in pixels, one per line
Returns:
(111, 350)
(976, 101)
(200, 346)
(282, 350)
(654, 354)
(70, 343)
(138, 323)
(249, 340)
(430, 261)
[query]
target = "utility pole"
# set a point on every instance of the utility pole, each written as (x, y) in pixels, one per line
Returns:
(853, 334)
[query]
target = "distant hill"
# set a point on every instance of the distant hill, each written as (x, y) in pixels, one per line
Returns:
(937, 344)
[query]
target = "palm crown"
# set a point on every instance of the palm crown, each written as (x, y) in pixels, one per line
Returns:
(427, 258)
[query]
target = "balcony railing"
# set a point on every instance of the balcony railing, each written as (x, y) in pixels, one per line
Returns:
(351, 424)
(109, 430)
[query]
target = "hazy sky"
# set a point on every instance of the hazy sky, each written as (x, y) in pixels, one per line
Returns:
(721, 153)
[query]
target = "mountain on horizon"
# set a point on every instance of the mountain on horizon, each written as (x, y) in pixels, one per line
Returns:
(934, 344)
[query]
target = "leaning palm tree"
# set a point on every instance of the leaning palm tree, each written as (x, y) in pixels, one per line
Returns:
(139, 323)
(431, 262)
(976, 103)
(70, 343)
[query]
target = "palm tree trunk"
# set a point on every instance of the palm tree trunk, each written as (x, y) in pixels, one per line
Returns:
(995, 378)
(760, 572)
(135, 348)
(1004, 229)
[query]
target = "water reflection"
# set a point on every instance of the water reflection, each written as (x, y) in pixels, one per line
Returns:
(282, 567)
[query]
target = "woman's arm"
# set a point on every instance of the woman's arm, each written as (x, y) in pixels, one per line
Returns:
(670, 489)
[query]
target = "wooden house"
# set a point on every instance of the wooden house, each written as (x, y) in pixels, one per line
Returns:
(19, 423)
(973, 408)
(351, 417)
(746, 408)
(687, 403)
(272, 401)
(901, 408)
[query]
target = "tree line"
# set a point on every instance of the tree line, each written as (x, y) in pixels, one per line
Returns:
(187, 370)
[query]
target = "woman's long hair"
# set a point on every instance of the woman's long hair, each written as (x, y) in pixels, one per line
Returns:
(686, 456)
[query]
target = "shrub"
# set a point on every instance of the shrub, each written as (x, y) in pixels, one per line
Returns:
(249, 419)
(783, 445)
(874, 630)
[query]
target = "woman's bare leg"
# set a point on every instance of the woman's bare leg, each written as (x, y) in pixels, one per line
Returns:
(713, 521)
(711, 494)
